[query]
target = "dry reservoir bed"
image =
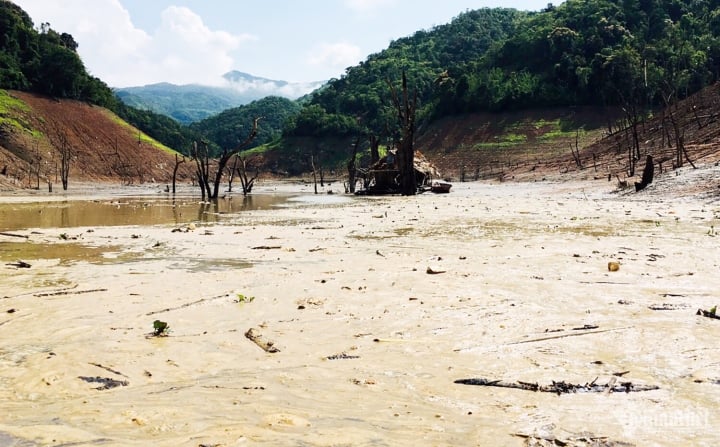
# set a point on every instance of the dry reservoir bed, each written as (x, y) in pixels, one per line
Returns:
(338, 320)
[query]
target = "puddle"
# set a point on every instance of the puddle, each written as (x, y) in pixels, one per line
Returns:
(128, 211)
(67, 253)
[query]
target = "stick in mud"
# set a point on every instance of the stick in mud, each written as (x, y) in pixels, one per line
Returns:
(562, 387)
(266, 345)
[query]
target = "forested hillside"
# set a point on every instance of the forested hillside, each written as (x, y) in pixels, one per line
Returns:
(630, 53)
(593, 67)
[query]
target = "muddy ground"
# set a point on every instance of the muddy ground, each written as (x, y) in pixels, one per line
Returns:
(375, 306)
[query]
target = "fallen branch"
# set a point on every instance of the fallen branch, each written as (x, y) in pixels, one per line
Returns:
(15, 235)
(35, 293)
(72, 292)
(20, 264)
(257, 338)
(562, 387)
(572, 334)
(106, 383)
(183, 306)
(267, 247)
(108, 369)
(708, 313)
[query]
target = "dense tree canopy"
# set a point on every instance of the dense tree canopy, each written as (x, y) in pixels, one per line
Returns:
(597, 52)
(233, 125)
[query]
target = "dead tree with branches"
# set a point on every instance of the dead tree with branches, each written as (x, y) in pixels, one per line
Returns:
(246, 180)
(203, 161)
(405, 106)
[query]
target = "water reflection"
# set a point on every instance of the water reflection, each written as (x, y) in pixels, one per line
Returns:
(128, 211)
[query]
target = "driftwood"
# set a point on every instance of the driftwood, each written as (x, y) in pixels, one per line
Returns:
(193, 303)
(708, 313)
(19, 264)
(572, 334)
(342, 356)
(68, 292)
(2, 233)
(106, 383)
(563, 387)
(256, 337)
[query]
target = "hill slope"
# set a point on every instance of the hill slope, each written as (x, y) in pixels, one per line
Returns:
(192, 103)
(34, 129)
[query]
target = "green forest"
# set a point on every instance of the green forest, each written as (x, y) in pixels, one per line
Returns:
(636, 55)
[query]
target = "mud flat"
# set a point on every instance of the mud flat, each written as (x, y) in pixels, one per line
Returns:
(338, 320)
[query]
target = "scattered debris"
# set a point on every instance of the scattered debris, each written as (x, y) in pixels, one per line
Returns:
(431, 271)
(668, 306)
(267, 247)
(14, 235)
(709, 313)
(342, 356)
(19, 264)
(68, 292)
(563, 387)
(613, 266)
(266, 345)
(106, 383)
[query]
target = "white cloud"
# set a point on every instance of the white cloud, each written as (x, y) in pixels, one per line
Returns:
(182, 50)
(337, 56)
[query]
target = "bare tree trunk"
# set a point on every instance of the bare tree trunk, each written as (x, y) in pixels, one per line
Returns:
(648, 174)
(178, 162)
(312, 164)
(405, 107)
(247, 182)
(351, 166)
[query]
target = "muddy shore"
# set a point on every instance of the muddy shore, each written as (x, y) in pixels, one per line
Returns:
(375, 306)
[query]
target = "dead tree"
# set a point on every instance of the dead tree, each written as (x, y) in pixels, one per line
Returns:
(405, 107)
(314, 172)
(352, 170)
(648, 174)
(203, 162)
(247, 181)
(201, 154)
(576, 152)
(178, 162)
(66, 154)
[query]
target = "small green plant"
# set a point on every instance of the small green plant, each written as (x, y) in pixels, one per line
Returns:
(713, 310)
(244, 299)
(161, 328)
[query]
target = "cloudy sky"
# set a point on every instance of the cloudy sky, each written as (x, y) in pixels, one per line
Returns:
(138, 42)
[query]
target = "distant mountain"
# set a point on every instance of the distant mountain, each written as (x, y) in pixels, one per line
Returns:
(193, 102)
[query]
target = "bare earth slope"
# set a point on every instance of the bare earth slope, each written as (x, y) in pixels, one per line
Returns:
(104, 148)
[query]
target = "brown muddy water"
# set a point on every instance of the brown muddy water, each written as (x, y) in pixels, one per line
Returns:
(128, 211)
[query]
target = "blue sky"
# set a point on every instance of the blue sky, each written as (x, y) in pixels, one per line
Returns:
(138, 42)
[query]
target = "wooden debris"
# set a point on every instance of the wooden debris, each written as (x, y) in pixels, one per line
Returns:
(19, 264)
(562, 387)
(431, 271)
(256, 337)
(193, 303)
(15, 235)
(571, 334)
(68, 292)
(106, 383)
(108, 369)
(267, 247)
(708, 313)
(342, 356)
